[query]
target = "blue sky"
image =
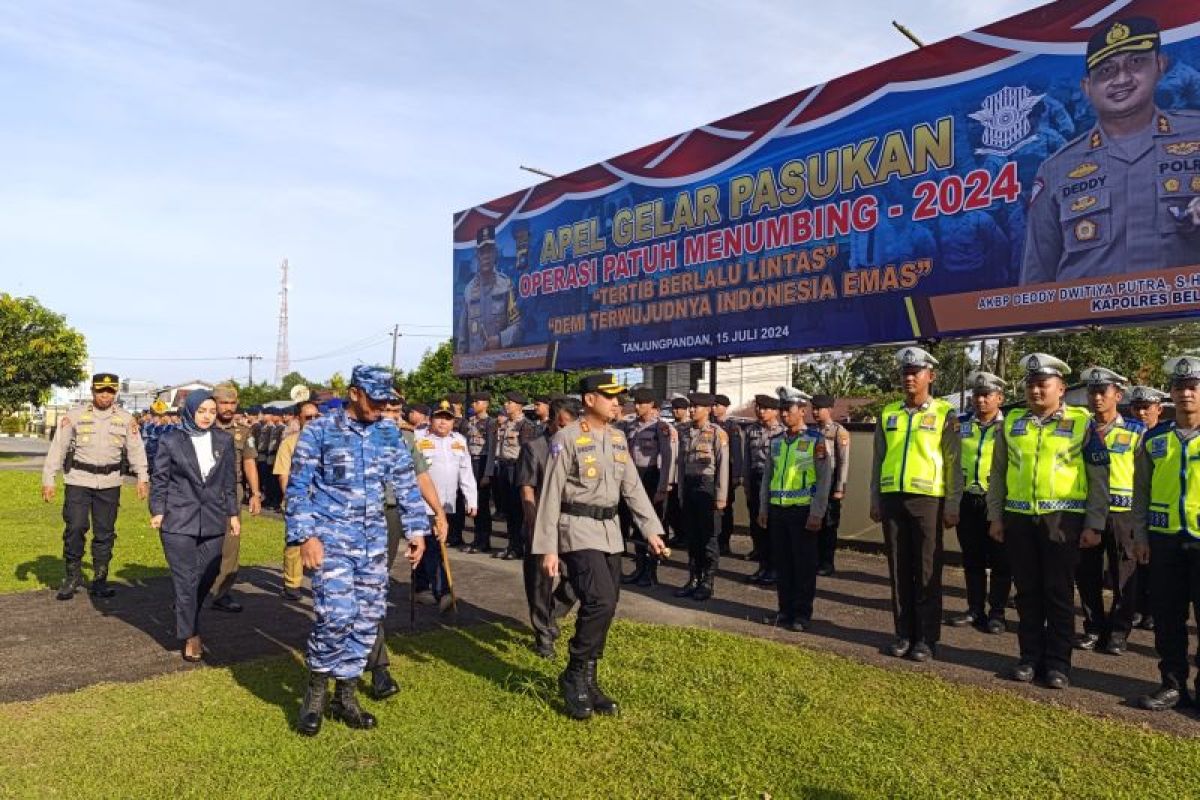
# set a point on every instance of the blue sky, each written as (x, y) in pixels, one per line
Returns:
(160, 159)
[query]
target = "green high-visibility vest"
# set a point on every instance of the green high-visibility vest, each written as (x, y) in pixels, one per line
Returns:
(912, 459)
(978, 442)
(1122, 441)
(1175, 482)
(794, 468)
(1045, 464)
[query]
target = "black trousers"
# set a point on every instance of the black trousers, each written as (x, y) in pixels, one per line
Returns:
(794, 548)
(675, 521)
(828, 536)
(629, 528)
(1114, 555)
(701, 522)
(726, 535)
(1043, 553)
(194, 563)
(1141, 590)
(483, 513)
(981, 554)
(595, 578)
(912, 529)
(1174, 588)
(100, 505)
(378, 657)
(514, 510)
(549, 599)
(458, 521)
(759, 536)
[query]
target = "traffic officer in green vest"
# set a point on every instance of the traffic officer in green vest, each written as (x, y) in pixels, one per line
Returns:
(1048, 497)
(1109, 630)
(1166, 518)
(793, 496)
(915, 488)
(981, 554)
(1145, 404)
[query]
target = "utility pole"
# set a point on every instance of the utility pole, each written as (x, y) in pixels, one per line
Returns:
(282, 362)
(395, 339)
(251, 359)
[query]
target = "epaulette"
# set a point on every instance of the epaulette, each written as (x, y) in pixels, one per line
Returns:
(1135, 425)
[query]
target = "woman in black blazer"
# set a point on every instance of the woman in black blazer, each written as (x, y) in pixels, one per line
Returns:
(193, 503)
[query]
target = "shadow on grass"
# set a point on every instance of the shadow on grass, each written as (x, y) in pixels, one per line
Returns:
(48, 572)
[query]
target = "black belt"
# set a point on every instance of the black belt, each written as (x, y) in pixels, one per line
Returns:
(584, 510)
(507, 462)
(96, 469)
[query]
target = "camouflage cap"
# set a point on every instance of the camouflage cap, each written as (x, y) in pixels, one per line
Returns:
(375, 382)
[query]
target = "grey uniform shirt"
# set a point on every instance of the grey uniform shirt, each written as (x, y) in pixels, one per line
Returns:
(1095, 510)
(652, 444)
(704, 457)
(1143, 476)
(951, 446)
(825, 478)
(590, 466)
(99, 438)
(837, 442)
(758, 447)
(481, 442)
(1103, 206)
(490, 309)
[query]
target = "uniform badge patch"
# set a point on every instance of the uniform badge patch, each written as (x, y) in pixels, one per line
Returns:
(1171, 184)
(1083, 203)
(1195, 184)
(1083, 170)
(584, 440)
(929, 422)
(1182, 148)
(591, 472)
(1085, 230)
(1038, 185)
(891, 423)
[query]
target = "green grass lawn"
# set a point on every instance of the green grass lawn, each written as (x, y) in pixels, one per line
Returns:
(31, 537)
(706, 715)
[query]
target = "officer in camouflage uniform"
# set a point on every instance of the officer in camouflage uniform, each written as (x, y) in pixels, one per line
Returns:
(758, 453)
(343, 464)
(93, 444)
(652, 443)
(1124, 197)
(704, 483)
(226, 397)
(490, 317)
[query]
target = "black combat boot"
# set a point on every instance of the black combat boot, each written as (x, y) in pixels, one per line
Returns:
(704, 589)
(601, 703)
(383, 685)
(72, 583)
(345, 707)
(313, 707)
(650, 576)
(577, 695)
(100, 587)
(638, 572)
(689, 588)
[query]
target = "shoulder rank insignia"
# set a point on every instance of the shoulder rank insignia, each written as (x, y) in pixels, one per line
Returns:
(1164, 123)
(1095, 140)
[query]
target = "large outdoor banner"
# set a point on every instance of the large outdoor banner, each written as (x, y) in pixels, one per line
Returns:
(1041, 172)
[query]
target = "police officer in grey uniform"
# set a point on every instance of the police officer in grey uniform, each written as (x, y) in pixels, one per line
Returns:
(1145, 405)
(837, 444)
(481, 442)
(589, 471)
(490, 318)
(704, 490)
(680, 422)
(93, 445)
(652, 443)
(737, 451)
(758, 453)
(514, 432)
(1125, 196)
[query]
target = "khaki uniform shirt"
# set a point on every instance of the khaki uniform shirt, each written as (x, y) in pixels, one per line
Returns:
(243, 444)
(99, 438)
(837, 443)
(593, 467)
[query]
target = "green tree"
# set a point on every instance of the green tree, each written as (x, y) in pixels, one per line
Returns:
(338, 384)
(434, 378)
(38, 350)
(1136, 353)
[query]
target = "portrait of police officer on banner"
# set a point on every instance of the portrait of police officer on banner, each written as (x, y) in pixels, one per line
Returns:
(489, 318)
(1125, 196)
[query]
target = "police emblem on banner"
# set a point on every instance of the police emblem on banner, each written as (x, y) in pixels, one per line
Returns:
(1005, 119)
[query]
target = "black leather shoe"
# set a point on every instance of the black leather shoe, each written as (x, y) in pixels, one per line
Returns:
(704, 590)
(636, 575)
(825, 570)
(72, 583)
(689, 588)
(995, 626)
(1164, 699)
(964, 619)
(1021, 672)
(346, 709)
(312, 710)
(920, 652)
(767, 579)
(648, 578)
(383, 685)
(756, 576)
(1116, 644)
(544, 650)
(1056, 679)
(798, 626)
(100, 586)
(227, 605)
(898, 648)
(1087, 641)
(291, 595)
(1146, 623)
